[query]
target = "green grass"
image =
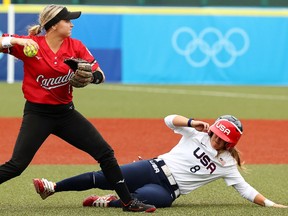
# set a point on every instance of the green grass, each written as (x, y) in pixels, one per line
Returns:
(18, 197)
(157, 101)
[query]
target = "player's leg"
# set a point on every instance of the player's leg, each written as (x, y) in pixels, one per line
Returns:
(136, 175)
(79, 132)
(143, 182)
(153, 194)
(33, 132)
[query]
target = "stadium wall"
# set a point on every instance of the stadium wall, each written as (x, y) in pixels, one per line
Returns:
(169, 45)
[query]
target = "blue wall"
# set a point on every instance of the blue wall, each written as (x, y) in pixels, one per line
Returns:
(205, 50)
(3, 58)
(179, 49)
(102, 34)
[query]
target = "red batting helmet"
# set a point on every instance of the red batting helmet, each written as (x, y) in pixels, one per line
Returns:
(228, 128)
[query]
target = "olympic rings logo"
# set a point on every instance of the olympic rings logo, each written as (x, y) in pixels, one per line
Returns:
(211, 50)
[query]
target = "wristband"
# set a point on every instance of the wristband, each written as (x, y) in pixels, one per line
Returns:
(268, 203)
(6, 42)
(189, 122)
(97, 77)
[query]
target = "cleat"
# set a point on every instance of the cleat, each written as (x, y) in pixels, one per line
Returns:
(138, 206)
(99, 201)
(44, 187)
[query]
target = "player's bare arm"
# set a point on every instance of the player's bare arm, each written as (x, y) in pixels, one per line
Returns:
(182, 121)
(6, 42)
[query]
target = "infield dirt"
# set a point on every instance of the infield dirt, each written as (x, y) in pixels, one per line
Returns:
(263, 141)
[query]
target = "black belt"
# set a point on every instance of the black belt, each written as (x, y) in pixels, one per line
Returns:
(165, 169)
(48, 108)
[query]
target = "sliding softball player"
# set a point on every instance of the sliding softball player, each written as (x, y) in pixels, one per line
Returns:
(203, 154)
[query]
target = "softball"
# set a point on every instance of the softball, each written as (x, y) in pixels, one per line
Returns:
(30, 51)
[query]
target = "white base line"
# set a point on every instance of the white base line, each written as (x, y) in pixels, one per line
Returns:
(192, 92)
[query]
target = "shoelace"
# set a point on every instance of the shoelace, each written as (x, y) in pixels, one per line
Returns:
(101, 202)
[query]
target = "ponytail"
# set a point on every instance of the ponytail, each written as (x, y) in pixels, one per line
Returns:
(34, 30)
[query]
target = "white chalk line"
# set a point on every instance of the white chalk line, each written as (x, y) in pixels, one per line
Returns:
(193, 92)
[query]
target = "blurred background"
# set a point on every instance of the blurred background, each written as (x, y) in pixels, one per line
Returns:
(195, 42)
(264, 3)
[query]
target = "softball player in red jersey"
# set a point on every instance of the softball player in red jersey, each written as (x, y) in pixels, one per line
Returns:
(203, 154)
(49, 108)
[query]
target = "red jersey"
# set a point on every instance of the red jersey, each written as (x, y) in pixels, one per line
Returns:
(46, 76)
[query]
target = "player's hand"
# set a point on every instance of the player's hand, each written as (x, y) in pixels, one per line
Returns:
(24, 42)
(279, 206)
(200, 125)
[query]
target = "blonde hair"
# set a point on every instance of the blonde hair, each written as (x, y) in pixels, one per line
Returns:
(48, 13)
(236, 155)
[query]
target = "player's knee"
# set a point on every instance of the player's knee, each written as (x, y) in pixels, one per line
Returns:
(19, 168)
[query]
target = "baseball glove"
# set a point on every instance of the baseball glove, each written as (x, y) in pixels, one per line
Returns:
(82, 72)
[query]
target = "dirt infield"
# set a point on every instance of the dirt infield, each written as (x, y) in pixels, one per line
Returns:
(263, 142)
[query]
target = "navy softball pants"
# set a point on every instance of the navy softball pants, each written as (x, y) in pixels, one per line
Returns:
(143, 181)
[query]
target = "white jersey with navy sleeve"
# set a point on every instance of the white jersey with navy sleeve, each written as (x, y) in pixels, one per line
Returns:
(194, 162)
